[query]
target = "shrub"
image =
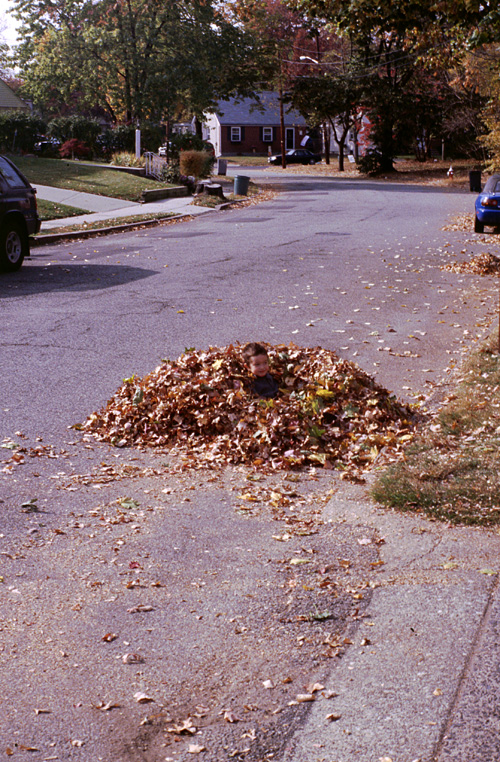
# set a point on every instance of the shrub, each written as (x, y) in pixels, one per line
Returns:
(196, 163)
(75, 126)
(126, 159)
(171, 173)
(371, 163)
(209, 165)
(122, 137)
(74, 148)
(19, 131)
(186, 141)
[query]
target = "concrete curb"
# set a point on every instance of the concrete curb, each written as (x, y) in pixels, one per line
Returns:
(77, 234)
(178, 191)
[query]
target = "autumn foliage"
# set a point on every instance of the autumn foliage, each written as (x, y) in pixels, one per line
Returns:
(329, 411)
(74, 148)
(194, 163)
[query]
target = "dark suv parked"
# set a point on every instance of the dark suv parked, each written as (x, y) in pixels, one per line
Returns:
(18, 216)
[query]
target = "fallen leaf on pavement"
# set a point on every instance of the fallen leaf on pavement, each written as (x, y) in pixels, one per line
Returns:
(128, 502)
(107, 707)
(142, 698)
(139, 608)
(230, 716)
(313, 687)
(330, 694)
(251, 734)
(132, 659)
(184, 727)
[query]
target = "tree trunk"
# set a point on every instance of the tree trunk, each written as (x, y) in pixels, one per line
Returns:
(326, 142)
(341, 143)
(282, 126)
(356, 146)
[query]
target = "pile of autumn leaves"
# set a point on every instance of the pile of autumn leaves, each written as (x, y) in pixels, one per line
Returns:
(329, 412)
(483, 264)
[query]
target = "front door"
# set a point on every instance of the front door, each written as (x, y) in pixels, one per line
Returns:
(290, 138)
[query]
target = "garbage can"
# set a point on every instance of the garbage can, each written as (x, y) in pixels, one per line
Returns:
(221, 166)
(241, 183)
(475, 181)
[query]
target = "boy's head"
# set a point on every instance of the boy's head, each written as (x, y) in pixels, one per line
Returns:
(255, 356)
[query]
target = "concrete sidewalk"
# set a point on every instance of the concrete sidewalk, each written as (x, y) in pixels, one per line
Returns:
(105, 208)
(88, 201)
(420, 681)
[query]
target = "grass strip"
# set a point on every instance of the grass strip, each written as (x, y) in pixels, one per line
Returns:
(48, 210)
(451, 470)
(247, 161)
(111, 222)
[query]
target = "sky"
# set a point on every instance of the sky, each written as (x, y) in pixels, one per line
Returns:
(7, 23)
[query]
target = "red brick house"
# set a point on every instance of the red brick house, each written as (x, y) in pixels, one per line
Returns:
(252, 126)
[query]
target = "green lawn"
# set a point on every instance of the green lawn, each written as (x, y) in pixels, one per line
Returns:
(47, 210)
(75, 175)
(247, 160)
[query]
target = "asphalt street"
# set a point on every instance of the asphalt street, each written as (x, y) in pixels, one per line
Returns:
(353, 267)
(150, 613)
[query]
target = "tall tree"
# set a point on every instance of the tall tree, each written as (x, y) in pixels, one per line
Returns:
(275, 29)
(330, 94)
(393, 39)
(136, 58)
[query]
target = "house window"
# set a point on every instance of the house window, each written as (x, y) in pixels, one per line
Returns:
(267, 134)
(235, 134)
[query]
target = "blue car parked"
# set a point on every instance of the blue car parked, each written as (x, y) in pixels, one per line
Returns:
(488, 205)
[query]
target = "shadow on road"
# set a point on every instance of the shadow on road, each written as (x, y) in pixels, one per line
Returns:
(35, 279)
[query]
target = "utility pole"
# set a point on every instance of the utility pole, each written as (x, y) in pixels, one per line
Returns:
(282, 121)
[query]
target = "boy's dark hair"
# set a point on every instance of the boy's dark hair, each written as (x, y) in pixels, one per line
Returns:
(253, 350)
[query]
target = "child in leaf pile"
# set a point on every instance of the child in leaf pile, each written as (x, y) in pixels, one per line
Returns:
(257, 362)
